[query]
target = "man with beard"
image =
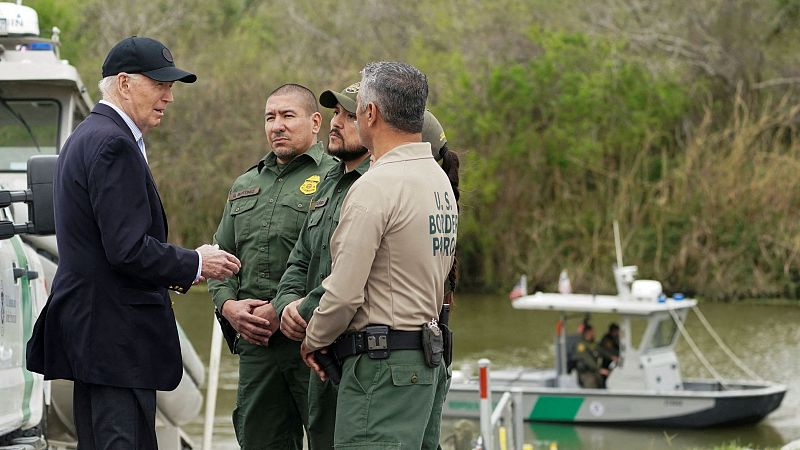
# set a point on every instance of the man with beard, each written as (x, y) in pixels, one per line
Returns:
(265, 211)
(310, 260)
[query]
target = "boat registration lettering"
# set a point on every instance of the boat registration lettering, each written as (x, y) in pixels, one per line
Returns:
(673, 402)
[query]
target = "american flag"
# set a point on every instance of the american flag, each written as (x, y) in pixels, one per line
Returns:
(520, 289)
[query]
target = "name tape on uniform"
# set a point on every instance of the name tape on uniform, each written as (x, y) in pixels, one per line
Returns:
(244, 193)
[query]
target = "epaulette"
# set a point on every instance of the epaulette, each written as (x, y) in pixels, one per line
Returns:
(333, 171)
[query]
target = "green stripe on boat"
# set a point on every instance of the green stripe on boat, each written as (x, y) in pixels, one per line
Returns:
(556, 408)
(27, 325)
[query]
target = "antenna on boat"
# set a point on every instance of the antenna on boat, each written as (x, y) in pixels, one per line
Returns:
(623, 276)
(617, 244)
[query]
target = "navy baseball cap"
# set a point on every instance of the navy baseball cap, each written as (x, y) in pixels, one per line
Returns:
(146, 56)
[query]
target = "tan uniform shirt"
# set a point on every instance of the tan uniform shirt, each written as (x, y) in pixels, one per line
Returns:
(392, 250)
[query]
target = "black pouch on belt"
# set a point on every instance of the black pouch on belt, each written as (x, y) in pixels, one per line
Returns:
(432, 343)
(448, 344)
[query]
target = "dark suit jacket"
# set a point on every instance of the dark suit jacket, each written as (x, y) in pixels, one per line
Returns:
(109, 319)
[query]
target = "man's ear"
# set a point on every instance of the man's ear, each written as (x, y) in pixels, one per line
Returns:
(316, 118)
(371, 114)
(123, 82)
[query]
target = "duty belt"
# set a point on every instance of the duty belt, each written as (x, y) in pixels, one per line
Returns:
(377, 341)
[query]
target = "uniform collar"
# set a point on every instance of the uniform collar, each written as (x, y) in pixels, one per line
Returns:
(405, 152)
(363, 167)
(338, 169)
(315, 152)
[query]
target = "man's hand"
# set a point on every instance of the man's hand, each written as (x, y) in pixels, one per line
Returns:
(293, 325)
(217, 264)
(604, 372)
(267, 311)
(254, 329)
(308, 357)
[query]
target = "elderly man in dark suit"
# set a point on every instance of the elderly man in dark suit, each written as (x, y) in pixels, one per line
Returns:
(108, 324)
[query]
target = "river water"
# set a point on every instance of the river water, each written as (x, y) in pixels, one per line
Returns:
(766, 338)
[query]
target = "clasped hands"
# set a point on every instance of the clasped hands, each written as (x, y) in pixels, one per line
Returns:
(255, 320)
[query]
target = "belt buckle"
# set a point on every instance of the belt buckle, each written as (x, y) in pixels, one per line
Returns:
(377, 337)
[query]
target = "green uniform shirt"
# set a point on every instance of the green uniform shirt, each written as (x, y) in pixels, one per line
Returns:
(266, 208)
(586, 356)
(310, 260)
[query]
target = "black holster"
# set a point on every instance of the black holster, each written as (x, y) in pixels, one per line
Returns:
(330, 364)
(230, 335)
(433, 344)
(444, 320)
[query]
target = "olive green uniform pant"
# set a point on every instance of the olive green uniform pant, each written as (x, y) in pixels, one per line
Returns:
(390, 403)
(321, 413)
(590, 380)
(272, 399)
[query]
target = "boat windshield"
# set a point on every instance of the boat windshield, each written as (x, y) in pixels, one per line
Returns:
(27, 128)
(664, 333)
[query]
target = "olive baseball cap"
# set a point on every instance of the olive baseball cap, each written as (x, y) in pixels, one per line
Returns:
(146, 56)
(346, 98)
(433, 132)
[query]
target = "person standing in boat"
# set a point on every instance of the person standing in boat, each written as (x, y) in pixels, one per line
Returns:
(391, 255)
(609, 346)
(587, 361)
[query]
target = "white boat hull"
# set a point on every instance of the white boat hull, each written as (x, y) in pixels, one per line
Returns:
(701, 403)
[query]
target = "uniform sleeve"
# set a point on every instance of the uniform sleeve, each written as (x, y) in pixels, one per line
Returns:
(224, 237)
(606, 349)
(354, 244)
(293, 282)
(122, 208)
(310, 303)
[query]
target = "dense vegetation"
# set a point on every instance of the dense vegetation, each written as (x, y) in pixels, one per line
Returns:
(678, 119)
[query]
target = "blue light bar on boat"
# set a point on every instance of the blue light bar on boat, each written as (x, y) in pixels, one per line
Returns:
(40, 46)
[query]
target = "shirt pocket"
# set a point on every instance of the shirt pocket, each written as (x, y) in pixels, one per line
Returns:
(293, 214)
(315, 217)
(241, 213)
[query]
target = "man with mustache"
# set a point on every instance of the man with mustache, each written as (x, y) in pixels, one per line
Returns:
(266, 208)
(310, 260)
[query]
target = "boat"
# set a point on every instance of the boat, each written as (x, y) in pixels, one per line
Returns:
(42, 99)
(645, 388)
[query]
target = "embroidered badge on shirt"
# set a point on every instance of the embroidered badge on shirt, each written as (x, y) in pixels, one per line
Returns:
(310, 185)
(245, 193)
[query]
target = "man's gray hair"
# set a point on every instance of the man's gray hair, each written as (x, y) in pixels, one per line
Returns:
(106, 85)
(399, 91)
